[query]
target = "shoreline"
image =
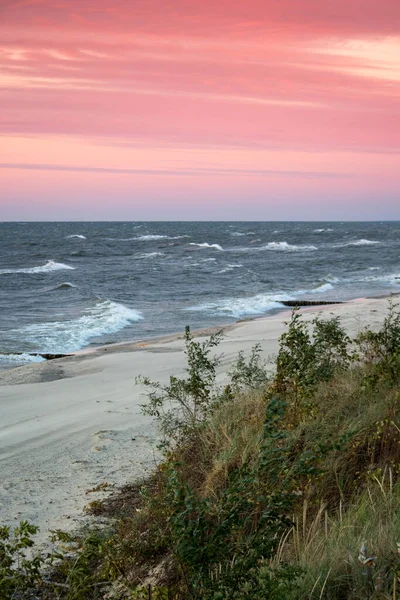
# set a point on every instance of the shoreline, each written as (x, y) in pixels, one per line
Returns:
(70, 424)
(133, 345)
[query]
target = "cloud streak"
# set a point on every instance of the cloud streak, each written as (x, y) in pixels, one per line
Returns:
(181, 172)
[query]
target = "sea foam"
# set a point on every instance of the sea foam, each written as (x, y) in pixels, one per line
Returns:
(285, 247)
(362, 242)
(104, 317)
(77, 235)
(20, 358)
(238, 307)
(51, 265)
(206, 245)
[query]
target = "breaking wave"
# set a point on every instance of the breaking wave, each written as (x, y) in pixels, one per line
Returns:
(20, 358)
(241, 234)
(65, 285)
(324, 287)
(150, 238)
(77, 235)
(51, 265)
(239, 307)
(206, 245)
(149, 255)
(68, 336)
(362, 242)
(285, 247)
(253, 305)
(229, 268)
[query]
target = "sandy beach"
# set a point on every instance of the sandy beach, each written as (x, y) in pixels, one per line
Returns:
(70, 424)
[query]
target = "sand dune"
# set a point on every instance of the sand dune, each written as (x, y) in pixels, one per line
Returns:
(70, 424)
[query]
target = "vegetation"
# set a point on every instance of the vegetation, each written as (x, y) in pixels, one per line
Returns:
(284, 487)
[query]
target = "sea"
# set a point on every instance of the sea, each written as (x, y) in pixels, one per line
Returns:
(71, 285)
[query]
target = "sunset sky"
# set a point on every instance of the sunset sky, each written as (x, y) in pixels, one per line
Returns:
(199, 109)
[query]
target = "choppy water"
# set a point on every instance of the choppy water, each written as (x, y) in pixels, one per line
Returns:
(65, 286)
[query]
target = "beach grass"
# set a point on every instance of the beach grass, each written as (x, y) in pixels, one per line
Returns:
(284, 486)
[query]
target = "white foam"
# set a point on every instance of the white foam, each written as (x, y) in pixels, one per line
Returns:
(51, 265)
(149, 255)
(241, 234)
(328, 230)
(362, 242)
(206, 245)
(285, 247)
(238, 307)
(67, 336)
(229, 268)
(390, 278)
(78, 236)
(20, 358)
(324, 287)
(150, 238)
(331, 279)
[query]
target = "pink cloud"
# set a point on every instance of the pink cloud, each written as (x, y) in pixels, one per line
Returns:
(267, 76)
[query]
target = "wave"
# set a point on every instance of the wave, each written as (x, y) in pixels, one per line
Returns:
(285, 247)
(331, 279)
(362, 242)
(229, 268)
(77, 235)
(68, 336)
(150, 238)
(20, 358)
(239, 307)
(241, 234)
(327, 230)
(324, 287)
(51, 265)
(390, 278)
(277, 246)
(206, 245)
(254, 305)
(149, 255)
(65, 285)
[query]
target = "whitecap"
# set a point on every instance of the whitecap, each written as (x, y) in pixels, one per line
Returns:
(70, 335)
(331, 279)
(150, 238)
(285, 247)
(324, 287)
(241, 234)
(328, 230)
(362, 242)
(238, 307)
(149, 255)
(206, 245)
(229, 268)
(78, 236)
(24, 357)
(51, 265)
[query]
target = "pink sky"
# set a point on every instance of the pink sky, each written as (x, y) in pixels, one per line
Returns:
(152, 109)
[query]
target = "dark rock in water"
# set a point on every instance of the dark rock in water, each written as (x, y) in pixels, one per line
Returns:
(48, 356)
(294, 303)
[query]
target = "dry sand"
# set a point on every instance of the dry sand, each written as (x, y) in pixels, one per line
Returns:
(68, 425)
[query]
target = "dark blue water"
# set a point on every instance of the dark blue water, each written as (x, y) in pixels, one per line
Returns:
(65, 286)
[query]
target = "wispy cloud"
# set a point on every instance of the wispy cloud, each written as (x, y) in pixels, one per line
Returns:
(178, 172)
